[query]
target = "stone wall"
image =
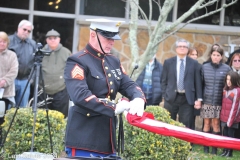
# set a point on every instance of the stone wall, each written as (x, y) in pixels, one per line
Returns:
(201, 40)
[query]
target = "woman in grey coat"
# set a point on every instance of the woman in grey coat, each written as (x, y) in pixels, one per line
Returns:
(213, 74)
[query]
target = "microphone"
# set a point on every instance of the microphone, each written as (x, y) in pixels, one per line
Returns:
(135, 67)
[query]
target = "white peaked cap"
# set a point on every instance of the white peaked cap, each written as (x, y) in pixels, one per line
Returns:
(105, 24)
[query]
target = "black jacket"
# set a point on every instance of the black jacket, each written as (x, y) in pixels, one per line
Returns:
(213, 82)
(192, 80)
(24, 51)
(90, 75)
(156, 85)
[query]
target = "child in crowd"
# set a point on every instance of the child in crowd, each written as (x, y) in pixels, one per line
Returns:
(230, 115)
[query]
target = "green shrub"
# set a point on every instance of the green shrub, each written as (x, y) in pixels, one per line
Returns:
(19, 138)
(142, 144)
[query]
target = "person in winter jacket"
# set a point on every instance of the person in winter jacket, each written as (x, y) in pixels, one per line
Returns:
(230, 115)
(53, 71)
(8, 73)
(234, 63)
(213, 74)
(149, 81)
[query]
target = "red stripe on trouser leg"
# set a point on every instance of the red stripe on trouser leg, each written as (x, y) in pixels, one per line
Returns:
(73, 152)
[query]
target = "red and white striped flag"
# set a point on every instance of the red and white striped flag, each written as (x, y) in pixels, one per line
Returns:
(148, 123)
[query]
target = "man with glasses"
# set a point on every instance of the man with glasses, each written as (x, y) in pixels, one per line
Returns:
(181, 84)
(53, 71)
(24, 47)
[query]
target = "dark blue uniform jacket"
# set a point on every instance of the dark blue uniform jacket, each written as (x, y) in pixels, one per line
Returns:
(90, 75)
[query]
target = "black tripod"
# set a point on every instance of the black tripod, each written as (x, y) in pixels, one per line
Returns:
(37, 72)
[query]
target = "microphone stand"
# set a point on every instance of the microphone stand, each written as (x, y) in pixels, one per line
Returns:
(120, 128)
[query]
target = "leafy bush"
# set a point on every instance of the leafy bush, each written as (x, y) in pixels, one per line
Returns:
(19, 138)
(141, 144)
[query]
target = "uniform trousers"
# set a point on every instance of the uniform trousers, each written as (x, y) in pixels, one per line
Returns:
(78, 152)
(181, 107)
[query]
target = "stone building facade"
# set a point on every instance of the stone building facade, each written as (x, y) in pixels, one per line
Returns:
(201, 40)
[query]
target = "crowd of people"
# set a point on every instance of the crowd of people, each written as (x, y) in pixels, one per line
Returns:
(92, 78)
(18, 69)
(216, 101)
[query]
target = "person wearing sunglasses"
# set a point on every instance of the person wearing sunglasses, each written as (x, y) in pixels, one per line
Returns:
(93, 78)
(24, 47)
(235, 62)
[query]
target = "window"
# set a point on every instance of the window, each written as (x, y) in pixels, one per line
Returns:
(62, 6)
(10, 22)
(232, 15)
(185, 5)
(23, 4)
(44, 24)
(108, 8)
(144, 4)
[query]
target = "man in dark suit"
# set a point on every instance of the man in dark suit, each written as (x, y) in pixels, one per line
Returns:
(181, 84)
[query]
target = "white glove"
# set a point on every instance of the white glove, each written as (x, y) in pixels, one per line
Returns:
(137, 106)
(121, 106)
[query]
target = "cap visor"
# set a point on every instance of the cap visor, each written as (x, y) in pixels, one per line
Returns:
(116, 37)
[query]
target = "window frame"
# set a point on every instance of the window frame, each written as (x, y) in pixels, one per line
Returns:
(195, 28)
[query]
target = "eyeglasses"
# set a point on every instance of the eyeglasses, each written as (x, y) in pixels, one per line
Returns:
(182, 47)
(236, 60)
(29, 31)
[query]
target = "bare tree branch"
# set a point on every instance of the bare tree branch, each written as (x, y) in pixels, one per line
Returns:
(148, 21)
(150, 10)
(196, 18)
(159, 31)
(209, 3)
(158, 3)
(133, 30)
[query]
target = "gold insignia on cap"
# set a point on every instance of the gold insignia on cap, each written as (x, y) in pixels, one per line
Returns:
(118, 24)
(88, 114)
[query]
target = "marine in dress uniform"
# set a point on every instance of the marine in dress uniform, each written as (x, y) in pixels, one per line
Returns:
(93, 78)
